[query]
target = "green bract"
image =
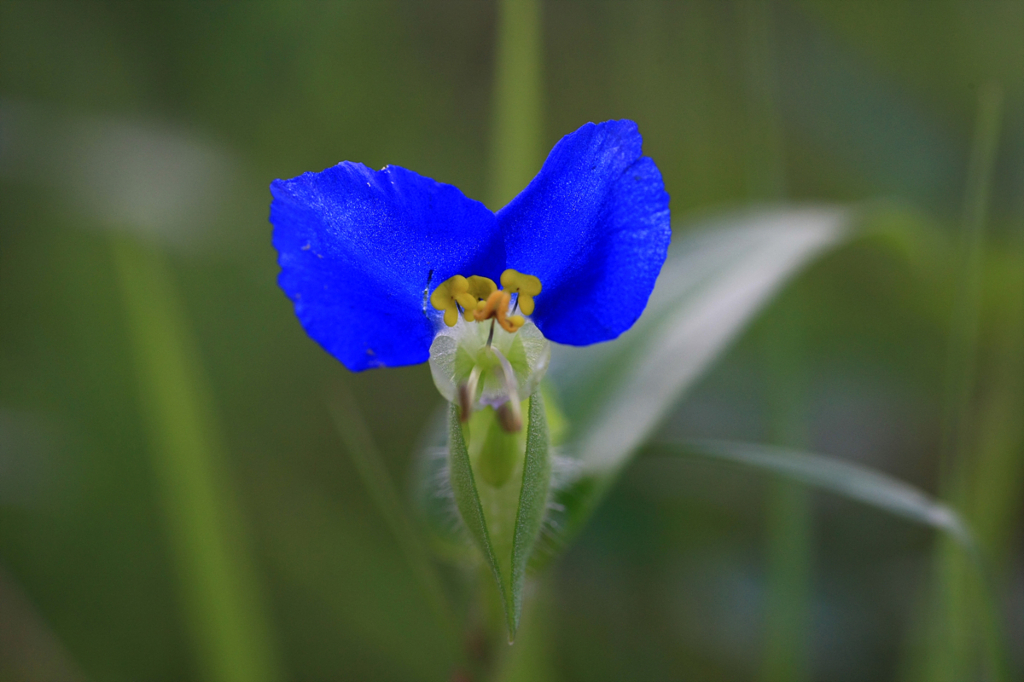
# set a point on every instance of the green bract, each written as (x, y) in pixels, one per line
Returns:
(499, 475)
(503, 520)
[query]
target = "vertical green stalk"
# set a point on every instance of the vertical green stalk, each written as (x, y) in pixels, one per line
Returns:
(963, 334)
(766, 168)
(997, 485)
(218, 583)
(362, 450)
(517, 148)
(788, 602)
(517, 145)
(959, 606)
(998, 481)
(788, 515)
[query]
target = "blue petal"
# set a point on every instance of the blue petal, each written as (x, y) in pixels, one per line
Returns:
(594, 227)
(360, 251)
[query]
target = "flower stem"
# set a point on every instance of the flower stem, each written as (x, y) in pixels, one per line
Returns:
(517, 145)
(517, 142)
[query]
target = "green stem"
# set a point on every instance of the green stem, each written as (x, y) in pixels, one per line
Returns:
(959, 607)
(517, 143)
(788, 519)
(788, 515)
(963, 334)
(518, 100)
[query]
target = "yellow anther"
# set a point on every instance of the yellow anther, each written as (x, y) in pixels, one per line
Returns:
(461, 291)
(480, 288)
(448, 295)
(527, 286)
(481, 299)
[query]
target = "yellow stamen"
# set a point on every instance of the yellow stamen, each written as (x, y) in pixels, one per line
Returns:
(496, 306)
(479, 288)
(446, 297)
(485, 310)
(480, 298)
(527, 286)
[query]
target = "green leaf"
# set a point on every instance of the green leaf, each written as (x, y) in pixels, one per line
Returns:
(834, 475)
(220, 584)
(533, 501)
(432, 494)
(717, 277)
(467, 497)
(504, 521)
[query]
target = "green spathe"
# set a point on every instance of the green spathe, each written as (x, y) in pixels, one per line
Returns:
(503, 514)
(494, 452)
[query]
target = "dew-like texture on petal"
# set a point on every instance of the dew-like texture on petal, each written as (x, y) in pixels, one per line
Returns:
(361, 250)
(594, 227)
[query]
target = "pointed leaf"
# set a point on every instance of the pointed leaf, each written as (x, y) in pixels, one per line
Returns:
(844, 478)
(714, 282)
(717, 277)
(504, 522)
(533, 501)
(467, 497)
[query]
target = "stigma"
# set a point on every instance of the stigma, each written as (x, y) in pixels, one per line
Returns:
(479, 299)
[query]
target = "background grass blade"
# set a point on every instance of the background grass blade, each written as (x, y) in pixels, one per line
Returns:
(717, 277)
(963, 334)
(788, 515)
(952, 648)
(363, 452)
(997, 485)
(834, 475)
(220, 589)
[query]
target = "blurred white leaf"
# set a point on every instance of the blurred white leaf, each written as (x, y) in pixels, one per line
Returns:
(144, 177)
(718, 275)
(834, 475)
(716, 278)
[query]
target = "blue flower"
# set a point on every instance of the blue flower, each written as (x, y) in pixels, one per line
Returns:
(362, 253)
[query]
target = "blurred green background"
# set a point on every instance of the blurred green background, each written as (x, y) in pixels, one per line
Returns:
(137, 141)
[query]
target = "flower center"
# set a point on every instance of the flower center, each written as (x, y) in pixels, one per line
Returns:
(495, 366)
(479, 299)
